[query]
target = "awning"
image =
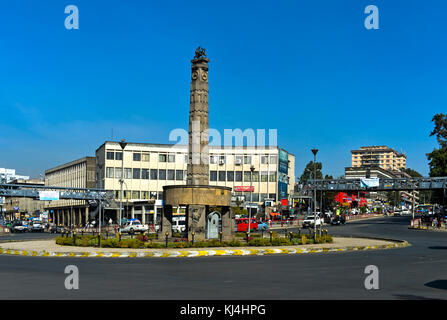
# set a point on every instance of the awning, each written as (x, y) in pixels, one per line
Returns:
(274, 214)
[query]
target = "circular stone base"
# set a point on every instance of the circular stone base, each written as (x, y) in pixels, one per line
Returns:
(197, 195)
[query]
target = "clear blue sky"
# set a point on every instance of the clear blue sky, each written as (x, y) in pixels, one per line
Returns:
(307, 68)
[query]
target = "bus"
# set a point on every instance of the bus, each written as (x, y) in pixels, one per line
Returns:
(424, 209)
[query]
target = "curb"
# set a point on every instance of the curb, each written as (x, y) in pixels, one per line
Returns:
(197, 253)
(427, 229)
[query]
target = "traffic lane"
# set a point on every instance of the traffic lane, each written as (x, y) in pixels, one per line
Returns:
(26, 236)
(311, 276)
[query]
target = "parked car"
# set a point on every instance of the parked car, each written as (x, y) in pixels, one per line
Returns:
(309, 221)
(134, 226)
(338, 220)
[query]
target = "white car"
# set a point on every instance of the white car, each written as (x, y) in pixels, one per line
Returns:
(309, 222)
(134, 226)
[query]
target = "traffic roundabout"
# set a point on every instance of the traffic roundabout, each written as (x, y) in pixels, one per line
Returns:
(47, 248)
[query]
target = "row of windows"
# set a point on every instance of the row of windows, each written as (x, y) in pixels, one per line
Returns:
(162, 174)
(214, 159)
(146, 195)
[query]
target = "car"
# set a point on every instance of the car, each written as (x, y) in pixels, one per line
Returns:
(19, 227)
(405, 212)
(262, 225)
(179, 224)
(397, 213)
(134, 226)
(57, 229)
(242, 224)
(36, 226)
(309, 221)
(338, 220)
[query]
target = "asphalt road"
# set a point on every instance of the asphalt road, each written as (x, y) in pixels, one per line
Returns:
(415, 272)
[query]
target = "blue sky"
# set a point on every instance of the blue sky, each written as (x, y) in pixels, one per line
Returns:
(309, 69)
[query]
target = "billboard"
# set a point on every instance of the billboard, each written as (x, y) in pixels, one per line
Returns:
(283, 162)
(48, 195)
(369, 182)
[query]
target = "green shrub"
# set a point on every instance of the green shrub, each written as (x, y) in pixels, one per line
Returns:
(259, 242)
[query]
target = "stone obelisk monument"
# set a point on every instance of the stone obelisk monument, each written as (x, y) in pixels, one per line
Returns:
(198, 170)
(207, 207)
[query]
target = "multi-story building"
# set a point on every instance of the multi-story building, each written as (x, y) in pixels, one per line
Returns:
(148, 167)
(8, 175)
(75, 174)
(378, 156)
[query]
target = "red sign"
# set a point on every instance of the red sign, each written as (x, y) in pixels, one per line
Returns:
(284, 202)
(244, 189)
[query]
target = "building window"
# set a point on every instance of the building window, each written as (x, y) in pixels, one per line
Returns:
(264, 176)
(179, 175)
(272, 176)
(126, 194)
(118, 156)
(145, 195)
(255, 197)
(238, 159)
(247, 176)
(171, 158)
(154, 174)
(272, 196)
(135, 194)
(247, 159)
(264, 159)
(109, 172)
(162, 174)
(162, 157)
(238, 175)
(127, 173)
(118, 173)
(273, 159)
(171, 174)
(221, 175)
(145, 157)
(222, 159)
(110, 155)
(213, 159)
(230, 175)
(137, 157)
(264, 196)
(145, 174)
(255, 176)
(213, 175)
(136, 173)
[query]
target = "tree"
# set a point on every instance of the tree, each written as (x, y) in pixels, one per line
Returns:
(328, 177)
(308, 173)
(438, 157)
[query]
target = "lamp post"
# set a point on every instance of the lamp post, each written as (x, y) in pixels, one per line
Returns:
(123, 144)
(314, 151)
(252, 168)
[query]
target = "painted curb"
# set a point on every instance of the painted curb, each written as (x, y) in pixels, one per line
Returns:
(198, 253)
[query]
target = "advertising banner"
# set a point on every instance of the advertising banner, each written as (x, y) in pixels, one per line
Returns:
(48, 195)
(244, 189)
(283, 162)
(370, 182)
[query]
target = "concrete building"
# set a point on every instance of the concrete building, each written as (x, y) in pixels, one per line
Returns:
(8, 175)
(149, 167)
(378, 156)
(75, 174)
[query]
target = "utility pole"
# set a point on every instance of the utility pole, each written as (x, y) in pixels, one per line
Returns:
(123, 144)
(314, 151)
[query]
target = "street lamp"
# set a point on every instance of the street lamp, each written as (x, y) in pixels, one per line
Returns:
(314, 151)
(252, 168)
(123, 144)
